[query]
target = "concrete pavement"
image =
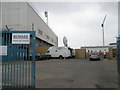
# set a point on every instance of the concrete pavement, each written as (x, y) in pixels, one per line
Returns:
(76, 73)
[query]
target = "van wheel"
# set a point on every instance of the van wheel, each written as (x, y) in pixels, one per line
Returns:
(60, 57)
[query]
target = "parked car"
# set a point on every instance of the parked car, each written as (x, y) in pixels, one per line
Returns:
(47, 56)
(39, 56)
(94, 56)
(42, 56)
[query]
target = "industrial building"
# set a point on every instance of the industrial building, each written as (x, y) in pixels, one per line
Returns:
(99, 48)
(96, 48)
(22, 16)
(109, 50)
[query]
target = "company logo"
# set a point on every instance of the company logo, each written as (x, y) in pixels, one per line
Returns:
(20, 38)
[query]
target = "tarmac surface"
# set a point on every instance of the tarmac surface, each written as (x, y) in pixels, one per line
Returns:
(76, 73)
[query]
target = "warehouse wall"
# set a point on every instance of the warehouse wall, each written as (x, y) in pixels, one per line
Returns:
(96, 49)
(118, 19)
(42, 49)
(20, 16)
(42, 43)
(80, 53)
(0, 16)
(112, 53)
(42, 29)
(14, 15)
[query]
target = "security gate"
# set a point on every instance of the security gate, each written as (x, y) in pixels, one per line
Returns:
(118, 54)
(18, 59)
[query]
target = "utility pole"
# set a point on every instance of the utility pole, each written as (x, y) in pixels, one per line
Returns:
(102, 25)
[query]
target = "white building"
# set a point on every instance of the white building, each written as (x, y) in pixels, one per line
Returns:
(99, 48)
(20, 16)
(96, 48)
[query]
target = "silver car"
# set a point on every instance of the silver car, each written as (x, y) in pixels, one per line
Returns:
(94, 56)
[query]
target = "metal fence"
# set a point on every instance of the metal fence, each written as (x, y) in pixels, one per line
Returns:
(118, 54)
(18, 60)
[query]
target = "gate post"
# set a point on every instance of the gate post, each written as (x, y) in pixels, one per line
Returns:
(33, 58)
(0, 62)
(118, 60)
(118, 54)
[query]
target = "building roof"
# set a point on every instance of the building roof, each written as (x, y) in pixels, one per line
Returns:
(95, 47)
(113, 44)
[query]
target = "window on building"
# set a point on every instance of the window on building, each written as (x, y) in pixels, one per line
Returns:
(88, 51)
(40, 32)
(47, 37)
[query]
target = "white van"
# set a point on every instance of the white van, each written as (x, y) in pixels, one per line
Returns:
(59, 52)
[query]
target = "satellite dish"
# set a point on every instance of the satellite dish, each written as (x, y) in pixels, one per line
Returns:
(65, 41)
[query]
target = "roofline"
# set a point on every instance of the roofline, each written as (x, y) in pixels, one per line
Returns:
(36, 11)
(97, 46)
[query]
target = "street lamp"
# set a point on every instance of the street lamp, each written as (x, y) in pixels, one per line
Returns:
(102, 25)
(46, 15)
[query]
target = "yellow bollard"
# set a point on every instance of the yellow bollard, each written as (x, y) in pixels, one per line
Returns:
(65, 58)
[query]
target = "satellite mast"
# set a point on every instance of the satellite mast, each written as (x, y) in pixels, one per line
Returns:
(46, 15)
(102, 25)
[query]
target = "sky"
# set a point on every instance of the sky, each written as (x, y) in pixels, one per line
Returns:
(81, 22)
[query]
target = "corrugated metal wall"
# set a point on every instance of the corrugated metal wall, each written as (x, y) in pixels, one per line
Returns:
(80, 53)
(42, 49)
(20, 16)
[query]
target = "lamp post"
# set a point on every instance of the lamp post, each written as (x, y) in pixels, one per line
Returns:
(102, 25)
(46, 15)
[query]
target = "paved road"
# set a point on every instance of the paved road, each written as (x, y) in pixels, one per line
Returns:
(76, 73)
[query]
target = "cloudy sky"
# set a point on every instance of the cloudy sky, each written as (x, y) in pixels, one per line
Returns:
(81, 22)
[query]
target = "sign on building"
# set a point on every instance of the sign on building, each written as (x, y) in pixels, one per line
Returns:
(3, 50)
(20, 38)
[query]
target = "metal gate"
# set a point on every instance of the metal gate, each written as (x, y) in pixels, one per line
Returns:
(18, 59)
(118, 54)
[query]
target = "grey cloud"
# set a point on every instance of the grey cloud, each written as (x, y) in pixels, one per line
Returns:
(53, 7)
(65, 7)
(63, 12)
